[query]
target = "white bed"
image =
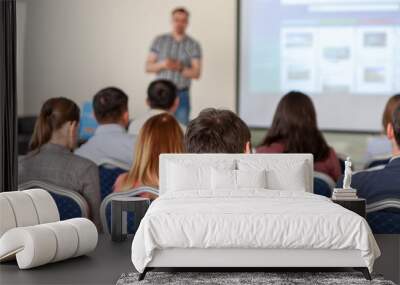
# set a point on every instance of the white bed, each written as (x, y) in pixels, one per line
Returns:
(203, 221)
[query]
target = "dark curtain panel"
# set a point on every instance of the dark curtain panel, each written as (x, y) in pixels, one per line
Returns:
(8, 97)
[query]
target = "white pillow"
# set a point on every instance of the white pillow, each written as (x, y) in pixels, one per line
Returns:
(181, 177)
(237, 179)
(223, 179)
(189, 175)
(281, 174)
(251, 179)
(296, 181)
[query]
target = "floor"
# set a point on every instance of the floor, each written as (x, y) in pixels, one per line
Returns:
(103, 266)
(388, 264)
(110, 259)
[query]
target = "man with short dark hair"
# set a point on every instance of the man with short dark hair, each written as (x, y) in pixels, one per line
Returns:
(382, 182)
(110, 105)
(177, 57)
(161, 94)
(217, 131)
(161, 98)
(110, 140)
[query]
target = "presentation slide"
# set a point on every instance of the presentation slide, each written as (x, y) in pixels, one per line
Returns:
(345, 54)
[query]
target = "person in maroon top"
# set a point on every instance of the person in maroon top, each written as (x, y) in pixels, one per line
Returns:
(294, 130)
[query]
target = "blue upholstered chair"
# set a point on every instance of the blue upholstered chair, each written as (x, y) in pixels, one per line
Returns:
(70, 204)
(105, 208)
(379, 162)
(109, 171)
(323, 184)
(384, 216)
(342, 158)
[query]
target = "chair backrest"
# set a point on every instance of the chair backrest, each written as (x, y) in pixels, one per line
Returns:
(326, 178)
(26, 124)
(384, 222)
(381, 162)
(384, 216)
(281, 168)
(105, 208)
(323, 184)
(88, 123)
(70, 203)
(26, 208)
(109, 170)
(386, 204)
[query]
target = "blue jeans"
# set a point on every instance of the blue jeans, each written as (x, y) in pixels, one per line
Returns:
(183, 111)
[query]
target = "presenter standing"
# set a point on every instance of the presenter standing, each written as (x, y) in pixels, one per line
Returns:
(176, 57)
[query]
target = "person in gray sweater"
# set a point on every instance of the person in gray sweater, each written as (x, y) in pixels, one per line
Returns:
(51, 158)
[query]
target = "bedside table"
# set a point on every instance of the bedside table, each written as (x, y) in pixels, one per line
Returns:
(355, 205)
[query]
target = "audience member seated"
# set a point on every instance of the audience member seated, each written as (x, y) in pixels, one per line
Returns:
(379, 148)
(110, 140)
(161, 97)
(51, 159)
(294, 130)
(160, 134)
(217, 131)
(378, 184)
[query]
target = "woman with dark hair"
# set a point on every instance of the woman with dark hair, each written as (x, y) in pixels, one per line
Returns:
(294, 130)
(51, 159)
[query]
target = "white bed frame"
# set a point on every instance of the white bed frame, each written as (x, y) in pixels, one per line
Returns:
(234, 257)
(242, 259)
(252, 258)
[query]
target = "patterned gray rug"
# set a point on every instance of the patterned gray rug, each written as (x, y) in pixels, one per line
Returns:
(225, 278)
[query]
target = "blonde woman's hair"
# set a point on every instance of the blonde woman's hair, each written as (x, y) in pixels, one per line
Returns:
(160, 134)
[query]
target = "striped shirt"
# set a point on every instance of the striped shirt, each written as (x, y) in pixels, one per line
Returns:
(165, 46)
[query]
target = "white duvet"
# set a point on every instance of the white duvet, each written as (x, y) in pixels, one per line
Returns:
(250, 219)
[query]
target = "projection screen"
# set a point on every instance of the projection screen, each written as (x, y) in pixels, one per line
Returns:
(345, 54)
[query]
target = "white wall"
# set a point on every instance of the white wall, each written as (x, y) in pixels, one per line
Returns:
(75, 47)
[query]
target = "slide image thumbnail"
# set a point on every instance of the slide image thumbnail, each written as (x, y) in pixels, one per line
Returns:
(335, 89)
(299, 40)
(297, 72)
(374, 75)
(336, 54)
(375, 39)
